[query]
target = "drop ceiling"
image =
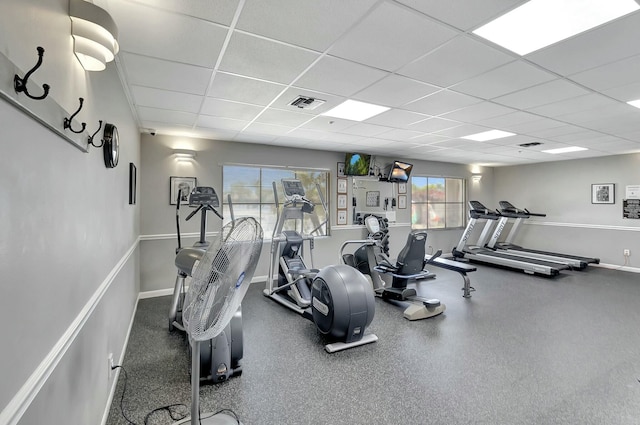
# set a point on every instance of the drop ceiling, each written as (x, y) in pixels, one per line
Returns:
(229, 69)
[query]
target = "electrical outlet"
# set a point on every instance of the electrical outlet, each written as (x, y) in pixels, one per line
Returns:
(626, 253)
(110, 363)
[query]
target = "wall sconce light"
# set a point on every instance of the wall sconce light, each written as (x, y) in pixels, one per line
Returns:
(476, 177)
(184, 154)
(95, 35)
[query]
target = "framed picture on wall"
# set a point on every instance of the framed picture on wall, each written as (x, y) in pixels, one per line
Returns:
(341, 169)
(342, 217)
(603, 193)
(342, 185)
(342, 201)
(184, 185)
(133, 176)
(402, 187)
(402, 202)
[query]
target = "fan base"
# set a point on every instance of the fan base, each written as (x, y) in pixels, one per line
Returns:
(219, 419)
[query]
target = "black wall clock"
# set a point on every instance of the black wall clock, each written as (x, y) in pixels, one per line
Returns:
(111, 148)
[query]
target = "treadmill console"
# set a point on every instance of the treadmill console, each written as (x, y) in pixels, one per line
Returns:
(204, 195)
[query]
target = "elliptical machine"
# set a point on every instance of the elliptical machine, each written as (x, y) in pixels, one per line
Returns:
(336, 298)
(371, 259)
(219, 357)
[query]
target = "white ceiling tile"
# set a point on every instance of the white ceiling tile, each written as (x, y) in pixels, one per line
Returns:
(271, 129)
(611, 75)
(508, 78)
(328, 19)
(338, 76)
(381, 39)
(465, 15)
(247, 137)
(221, 123)
(479, 111)
(150, 72)
(463, 130)
(455, 61)
(309, 134)
(397, 118)
(395, 90)
(329, 124)
(261, 58)
(242, 89)
(624, 93)
(164, 35)
(294, 142)
(281, 117)
(432, 125)
(220, 11)
(226, 109)
(166, 116)
(533, 126)
(398, 134)
(586, 117)
(428, 139)
(441, 102)
(575, 104)
(607, 43)
(364, 129)
(501, 121)
(164, 99)
(542, 94)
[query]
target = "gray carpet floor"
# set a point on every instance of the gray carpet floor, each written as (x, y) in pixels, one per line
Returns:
(523, 350)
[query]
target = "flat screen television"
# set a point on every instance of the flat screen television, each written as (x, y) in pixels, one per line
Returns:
(356, 164)
(400, 172)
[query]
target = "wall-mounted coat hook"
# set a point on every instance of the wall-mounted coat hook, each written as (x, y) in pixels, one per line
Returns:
(67, 121)
(94, 135)
(20, 84)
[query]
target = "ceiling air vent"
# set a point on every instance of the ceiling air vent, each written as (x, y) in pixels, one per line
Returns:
(530, 144)
(305, 102)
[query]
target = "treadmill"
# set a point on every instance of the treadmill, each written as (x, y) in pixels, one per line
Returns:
(481, 254)
(508, 211)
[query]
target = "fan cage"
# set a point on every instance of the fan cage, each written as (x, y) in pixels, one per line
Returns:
(221, 278)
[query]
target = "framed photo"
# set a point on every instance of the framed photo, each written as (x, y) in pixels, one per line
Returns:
(342, 201)
(603, 193)
(342, 185)
(402, 187)
(133, 176)
(342, 217)
(341, 169)
(402, 202)
(187, 184)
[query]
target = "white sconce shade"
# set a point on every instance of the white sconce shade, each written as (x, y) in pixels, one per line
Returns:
(476, 177)
(184, 154)
(95, 35)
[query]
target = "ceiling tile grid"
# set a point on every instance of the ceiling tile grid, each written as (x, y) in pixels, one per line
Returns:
(230, 69)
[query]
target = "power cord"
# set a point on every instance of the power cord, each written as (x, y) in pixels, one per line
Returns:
(175, 415)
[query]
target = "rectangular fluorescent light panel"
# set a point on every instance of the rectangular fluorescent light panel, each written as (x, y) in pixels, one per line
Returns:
(355, 111)
(565, 150)
(540, 23)
(635, 103)
(488, 135)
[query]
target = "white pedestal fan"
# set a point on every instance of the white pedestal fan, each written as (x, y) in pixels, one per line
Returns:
(219, 283)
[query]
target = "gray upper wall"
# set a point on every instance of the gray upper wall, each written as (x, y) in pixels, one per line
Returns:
(66, 229)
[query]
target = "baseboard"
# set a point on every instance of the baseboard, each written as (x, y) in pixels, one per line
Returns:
(617, 267)
(169, 291)
(118, 362)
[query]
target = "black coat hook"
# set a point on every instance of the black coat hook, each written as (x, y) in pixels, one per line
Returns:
(94, 135)
(20, 84)
(67, 121)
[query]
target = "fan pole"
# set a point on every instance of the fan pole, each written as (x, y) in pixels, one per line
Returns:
(195, 382)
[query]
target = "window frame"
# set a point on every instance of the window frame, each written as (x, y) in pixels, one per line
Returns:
(263, 206)
(461, 203)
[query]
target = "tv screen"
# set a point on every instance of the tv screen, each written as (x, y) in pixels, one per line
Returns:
(400, 171)
(356, 164)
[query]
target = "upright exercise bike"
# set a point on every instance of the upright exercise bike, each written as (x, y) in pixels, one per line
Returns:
(219, 357)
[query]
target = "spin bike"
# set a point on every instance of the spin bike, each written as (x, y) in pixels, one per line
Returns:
(219, 357)
(336, 298)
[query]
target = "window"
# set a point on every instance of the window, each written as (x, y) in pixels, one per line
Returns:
(437, 202)
(251, 190)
